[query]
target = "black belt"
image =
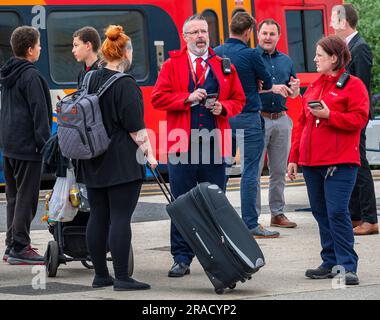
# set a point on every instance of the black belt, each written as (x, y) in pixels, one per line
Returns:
(273, 115)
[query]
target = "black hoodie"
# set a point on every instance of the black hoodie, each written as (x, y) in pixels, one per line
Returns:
(25, 110)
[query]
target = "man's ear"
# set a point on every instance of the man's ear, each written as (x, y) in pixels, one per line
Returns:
(89, 45)
(343, 24)
(29, 52)
(247, 33)
(184, 37)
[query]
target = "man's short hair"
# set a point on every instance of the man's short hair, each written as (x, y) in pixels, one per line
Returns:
(241, 22)
(349, 13)
(195, 17)
(334, 45)
(237, 10)
(89, 34)
(270, 22)
(22, 39)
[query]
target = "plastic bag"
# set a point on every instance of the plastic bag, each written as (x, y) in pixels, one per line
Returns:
(60, 207)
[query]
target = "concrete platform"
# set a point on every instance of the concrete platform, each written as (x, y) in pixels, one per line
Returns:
(287, 258)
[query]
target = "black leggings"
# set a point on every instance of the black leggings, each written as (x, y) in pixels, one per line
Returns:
(110, 222)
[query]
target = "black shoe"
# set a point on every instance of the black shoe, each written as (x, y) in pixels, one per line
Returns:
(319, 273)
(129, 285)
(27, 256)
(351, 279)
(100, 282)
(179, 270)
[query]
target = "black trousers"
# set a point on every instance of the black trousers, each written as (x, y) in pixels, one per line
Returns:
(110, 220)
(363, 199)
(22, 180)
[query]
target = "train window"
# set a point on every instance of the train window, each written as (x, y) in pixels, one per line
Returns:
(213, 27)
(62, 24)
(304, 29)
(314, 32)
(8, 22)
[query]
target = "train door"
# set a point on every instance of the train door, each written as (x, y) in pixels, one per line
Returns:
(219, 13)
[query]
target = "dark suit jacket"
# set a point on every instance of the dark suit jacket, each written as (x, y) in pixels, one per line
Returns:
(361, 63)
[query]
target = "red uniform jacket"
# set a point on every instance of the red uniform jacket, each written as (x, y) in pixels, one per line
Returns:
(171, 91)
(334, 140)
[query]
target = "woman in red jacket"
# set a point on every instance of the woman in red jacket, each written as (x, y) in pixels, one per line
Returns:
(326, 145)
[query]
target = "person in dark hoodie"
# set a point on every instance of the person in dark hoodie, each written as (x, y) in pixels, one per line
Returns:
(25, 122)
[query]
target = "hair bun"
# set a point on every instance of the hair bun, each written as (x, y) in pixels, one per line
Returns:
(113, 32)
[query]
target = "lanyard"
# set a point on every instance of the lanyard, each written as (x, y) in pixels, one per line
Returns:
(193, 74)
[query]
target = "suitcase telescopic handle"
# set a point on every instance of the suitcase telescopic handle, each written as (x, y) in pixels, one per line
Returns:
(161, 183)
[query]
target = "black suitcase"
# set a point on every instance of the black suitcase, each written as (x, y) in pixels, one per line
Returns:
(215, 232)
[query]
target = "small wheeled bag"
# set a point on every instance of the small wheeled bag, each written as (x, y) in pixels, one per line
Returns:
(215, 232)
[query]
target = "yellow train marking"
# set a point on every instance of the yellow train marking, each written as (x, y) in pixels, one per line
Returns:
(22, 2)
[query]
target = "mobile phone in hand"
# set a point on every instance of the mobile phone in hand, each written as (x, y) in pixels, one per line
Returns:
(210, 100)
(315, 104)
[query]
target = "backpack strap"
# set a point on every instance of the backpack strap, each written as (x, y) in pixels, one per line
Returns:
(86, 80)
(110, 81)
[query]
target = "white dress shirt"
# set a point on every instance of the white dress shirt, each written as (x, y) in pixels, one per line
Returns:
(350, 37)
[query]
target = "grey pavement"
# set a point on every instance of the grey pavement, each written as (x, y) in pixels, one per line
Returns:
(148, 209)
(144, 212)
(287, 258)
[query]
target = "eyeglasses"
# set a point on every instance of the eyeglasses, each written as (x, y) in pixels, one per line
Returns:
(193, 33)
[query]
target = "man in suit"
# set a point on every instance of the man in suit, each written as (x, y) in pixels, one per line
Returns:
(344, 19)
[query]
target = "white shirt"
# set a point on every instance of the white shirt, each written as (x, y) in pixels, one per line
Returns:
(193, 57)
(351, 36)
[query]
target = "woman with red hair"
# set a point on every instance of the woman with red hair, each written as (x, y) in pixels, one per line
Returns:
(114, 178)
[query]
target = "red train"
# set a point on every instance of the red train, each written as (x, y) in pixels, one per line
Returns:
(155, 27)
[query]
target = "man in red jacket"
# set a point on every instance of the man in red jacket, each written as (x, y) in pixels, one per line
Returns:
(199, 98)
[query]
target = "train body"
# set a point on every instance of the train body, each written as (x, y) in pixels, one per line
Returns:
(155, 27)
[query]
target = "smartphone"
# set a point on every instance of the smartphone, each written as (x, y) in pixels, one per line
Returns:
(210, 100)
(315, 104)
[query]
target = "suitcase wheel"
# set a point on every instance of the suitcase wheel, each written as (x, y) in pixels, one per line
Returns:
(219, 291)
(232, 286)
